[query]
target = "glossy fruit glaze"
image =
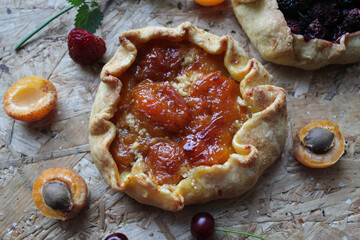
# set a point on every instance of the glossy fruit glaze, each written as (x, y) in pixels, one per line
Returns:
(172, 130)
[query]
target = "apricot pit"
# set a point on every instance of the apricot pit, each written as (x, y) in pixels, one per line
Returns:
(57, 195)
(319, 140)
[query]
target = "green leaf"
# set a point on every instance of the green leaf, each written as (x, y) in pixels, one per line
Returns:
(94, 4)
(76, 3)
(88, 19)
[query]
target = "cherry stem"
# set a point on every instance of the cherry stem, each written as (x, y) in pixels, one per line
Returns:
(243, 233)
(41, 27)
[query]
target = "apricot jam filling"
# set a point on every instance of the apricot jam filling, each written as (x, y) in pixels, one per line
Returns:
(178, 109)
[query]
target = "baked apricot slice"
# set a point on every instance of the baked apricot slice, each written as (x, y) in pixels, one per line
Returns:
(60, 193)
(319, 144)
(164, 161)
(30, 99)
(161, 104)
(208, 2)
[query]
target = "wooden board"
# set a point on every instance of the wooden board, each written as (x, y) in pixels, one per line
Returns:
(289, 202)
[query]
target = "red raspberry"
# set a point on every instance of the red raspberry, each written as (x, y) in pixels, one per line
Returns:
(84, 47)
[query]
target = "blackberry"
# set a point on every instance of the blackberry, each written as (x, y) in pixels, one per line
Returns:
(294, 26)
(315, 30)
(326, 12)
(304, 5)
(344, 12)
(346, 3)
(337, 33)
(352, 20)
(288, 5)
(304, 22)
(326, 19)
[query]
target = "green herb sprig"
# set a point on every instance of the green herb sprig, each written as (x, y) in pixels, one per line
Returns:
(88, 17)
(242, 233)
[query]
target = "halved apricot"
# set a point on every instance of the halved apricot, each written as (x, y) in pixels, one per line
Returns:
(60, 193)
(319, 144)
(208, 2)
(30, 99)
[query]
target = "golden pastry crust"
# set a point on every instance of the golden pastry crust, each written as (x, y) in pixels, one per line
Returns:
(257, 144)
(267, 29)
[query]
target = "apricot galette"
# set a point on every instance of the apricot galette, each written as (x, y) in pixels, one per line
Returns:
(307, 34)
(182, 117)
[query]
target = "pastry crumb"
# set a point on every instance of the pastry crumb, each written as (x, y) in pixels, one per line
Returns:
(184, 81)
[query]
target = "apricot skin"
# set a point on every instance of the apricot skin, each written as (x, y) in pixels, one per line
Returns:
(208, 3)
(30, 99)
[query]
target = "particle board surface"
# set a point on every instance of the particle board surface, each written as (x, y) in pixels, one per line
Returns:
(288, 202)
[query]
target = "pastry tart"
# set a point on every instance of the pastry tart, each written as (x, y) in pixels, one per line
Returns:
(302, 33)
(182, 116)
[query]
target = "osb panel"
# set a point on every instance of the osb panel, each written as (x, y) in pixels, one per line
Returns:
(289, 202)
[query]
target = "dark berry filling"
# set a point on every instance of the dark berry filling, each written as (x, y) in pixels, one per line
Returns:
(325, 19)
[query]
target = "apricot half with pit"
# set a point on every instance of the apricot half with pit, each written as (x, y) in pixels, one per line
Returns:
(60, 193)
(319, 144)
(30, 99)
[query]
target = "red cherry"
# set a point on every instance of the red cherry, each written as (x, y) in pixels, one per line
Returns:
(202, 225)
(116, 236)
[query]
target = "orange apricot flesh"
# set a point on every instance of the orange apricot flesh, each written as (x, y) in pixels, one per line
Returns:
(316, 160)
(30, 99)
(208, 3)
(75, 183)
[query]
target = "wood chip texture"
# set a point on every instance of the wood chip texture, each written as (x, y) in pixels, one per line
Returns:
(290, 201)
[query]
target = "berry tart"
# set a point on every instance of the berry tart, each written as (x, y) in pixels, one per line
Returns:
(307, 34)
(182, 116)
